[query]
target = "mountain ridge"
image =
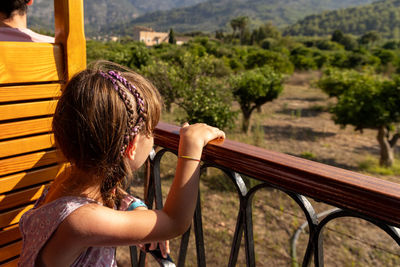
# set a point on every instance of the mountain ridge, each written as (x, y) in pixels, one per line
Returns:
(381, 16)
(214, 15)
(119, 17)
(99, 13)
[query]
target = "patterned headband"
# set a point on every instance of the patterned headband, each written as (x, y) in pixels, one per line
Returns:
(133, 127)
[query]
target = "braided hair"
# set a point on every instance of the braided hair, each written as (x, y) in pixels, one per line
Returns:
(98, 115)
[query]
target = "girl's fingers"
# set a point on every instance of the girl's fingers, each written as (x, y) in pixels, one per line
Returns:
(219, 134)
(142, 247)
(201, 132)
(163, 249)
(167, 246)
(153, 246)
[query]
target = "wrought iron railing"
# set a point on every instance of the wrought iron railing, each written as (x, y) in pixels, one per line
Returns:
(355, 195)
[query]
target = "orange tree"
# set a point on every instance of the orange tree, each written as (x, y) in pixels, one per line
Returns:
(194, 85)
(366, 102)
(254, 88)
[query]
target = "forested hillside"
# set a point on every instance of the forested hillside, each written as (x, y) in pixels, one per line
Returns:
(382, 16)
(102, 12)
(216, 14)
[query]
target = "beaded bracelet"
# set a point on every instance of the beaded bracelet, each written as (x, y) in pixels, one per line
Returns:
(187, 157)
(136, 204)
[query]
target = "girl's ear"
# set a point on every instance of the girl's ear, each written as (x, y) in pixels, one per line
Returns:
(131, 150)
(30, 2)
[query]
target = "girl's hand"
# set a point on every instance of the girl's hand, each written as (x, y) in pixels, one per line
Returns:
(164, 247)
(194, 137)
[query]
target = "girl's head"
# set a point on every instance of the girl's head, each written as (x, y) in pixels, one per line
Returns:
(100, 116)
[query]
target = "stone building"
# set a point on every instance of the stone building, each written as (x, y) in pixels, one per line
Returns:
(149, 36)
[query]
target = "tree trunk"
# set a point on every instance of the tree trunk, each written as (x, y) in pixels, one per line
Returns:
(387, 155)
(167, 106)
(246, 122)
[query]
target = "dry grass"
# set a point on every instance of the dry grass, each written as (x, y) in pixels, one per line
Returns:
(297, 123)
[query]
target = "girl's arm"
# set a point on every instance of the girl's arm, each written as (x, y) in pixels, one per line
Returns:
(95, 225)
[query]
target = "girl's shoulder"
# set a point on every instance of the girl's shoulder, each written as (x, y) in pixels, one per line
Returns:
(38, 224)
(68, 203)
(50, 215)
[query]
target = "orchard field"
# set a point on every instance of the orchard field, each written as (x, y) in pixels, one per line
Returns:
(301, 96)
(218, 79)
(299, 124)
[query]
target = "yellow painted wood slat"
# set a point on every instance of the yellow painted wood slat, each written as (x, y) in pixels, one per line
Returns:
(69, 26)
(29, 92)
(12, 217)
(9, 234)
(10, 251)
(21, 128)
(8, 201)
(22, 110)
(12, 263)
(22, 62)
(24, 179)
(25, 145)
(25, 162)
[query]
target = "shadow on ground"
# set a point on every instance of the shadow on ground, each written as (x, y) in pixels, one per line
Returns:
(302, 112)
(372, 149)
(295, 132)
(308, 99)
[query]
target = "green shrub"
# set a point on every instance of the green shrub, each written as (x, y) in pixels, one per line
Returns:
(253, 88)
(268, 43)
(301, 62)
(277, 61)
(207, 103)
(335, 82)
(385, 56)
(391, 45)
(328, 45)
(366, 102)
(338, 59)
(140, 56)
(308, 155)
(354, 59)
(303, 58)
(166, 78)
(235, 64)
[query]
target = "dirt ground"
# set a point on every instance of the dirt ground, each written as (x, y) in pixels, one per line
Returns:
(300, 124)
(296, 123)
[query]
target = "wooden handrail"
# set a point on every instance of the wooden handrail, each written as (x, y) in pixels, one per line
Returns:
(370, 196)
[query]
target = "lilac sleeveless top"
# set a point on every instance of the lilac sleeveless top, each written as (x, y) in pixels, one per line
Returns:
(38, 224)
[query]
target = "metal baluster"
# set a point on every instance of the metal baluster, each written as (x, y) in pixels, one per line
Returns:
(312, 221)
(237, 238)
(134, 259)
(248, 231)
(153, 191)
(198, 230)
(390, 230)
(244, 222)
(183, 248)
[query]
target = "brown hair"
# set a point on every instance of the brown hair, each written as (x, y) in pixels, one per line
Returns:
(91, 121)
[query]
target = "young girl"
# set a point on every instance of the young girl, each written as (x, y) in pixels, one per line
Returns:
(103, 125)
